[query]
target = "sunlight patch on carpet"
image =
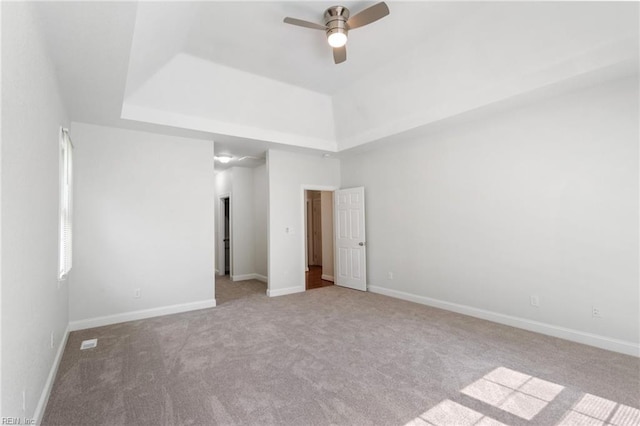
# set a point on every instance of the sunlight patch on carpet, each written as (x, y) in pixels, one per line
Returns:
(514, 392)
(594, 410)
(524, 396)
(450, 413)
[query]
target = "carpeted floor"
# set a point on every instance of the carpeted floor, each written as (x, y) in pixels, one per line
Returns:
(228, 291)
(335, 356)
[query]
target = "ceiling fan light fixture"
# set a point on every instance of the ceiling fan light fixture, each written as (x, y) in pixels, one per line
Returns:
(224, 159)
(337, 39)
(338, 22)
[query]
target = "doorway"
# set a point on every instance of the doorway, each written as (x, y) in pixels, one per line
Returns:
(224, 264)
(319, 239)
(226, 237)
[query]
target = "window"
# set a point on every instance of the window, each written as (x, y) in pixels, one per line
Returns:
(66, 198)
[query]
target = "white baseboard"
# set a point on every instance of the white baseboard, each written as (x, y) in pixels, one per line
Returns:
(327, 277)
(242, 277)
(48, 385)
(142, 314)
(603, 342)
(245, 277)
(284, 291)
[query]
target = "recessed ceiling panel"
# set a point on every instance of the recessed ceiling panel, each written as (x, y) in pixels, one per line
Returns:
(251, 36)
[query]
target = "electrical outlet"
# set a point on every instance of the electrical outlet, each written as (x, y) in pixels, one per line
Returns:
(390, 275)
(596, 312)
(136, 293)
(535, 301)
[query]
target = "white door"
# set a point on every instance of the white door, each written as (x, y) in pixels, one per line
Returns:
(351, 250)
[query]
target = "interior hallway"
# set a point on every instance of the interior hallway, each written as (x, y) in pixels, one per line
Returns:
(227, 290)
(313, 278)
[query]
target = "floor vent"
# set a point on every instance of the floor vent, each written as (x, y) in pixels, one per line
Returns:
(88, 344)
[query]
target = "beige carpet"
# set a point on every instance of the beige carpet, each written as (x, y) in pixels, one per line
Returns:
(335, 356)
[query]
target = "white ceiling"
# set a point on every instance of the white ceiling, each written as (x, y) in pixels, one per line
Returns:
(252, 37)
(105, 51)
(90, 43)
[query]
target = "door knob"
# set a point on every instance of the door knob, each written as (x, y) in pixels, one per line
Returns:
(361, 244)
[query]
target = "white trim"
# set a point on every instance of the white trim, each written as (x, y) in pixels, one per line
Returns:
(285, 291)
(166, 118)
(242, 277)
(142, 314)
(245, 277)
(327, 277)
(596, 340)
(48, 385)
(65, 205)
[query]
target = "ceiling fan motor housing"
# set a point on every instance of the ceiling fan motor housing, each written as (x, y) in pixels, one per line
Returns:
(335, 19)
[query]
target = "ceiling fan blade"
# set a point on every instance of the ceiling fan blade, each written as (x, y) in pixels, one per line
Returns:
(306, 24)
(339, 54)
(369, 15)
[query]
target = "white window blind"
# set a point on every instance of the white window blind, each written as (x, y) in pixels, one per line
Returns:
(66, 204)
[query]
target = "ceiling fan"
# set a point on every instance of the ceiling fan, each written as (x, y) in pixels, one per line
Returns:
(337, 25)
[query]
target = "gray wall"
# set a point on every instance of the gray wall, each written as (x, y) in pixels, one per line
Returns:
(34, 305)
(260, 193)
(242, 223)
(247, 189)
(143, 219)
(538, 200)
(289, 174)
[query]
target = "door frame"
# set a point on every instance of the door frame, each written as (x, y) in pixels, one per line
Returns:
(303, 237)
(307, 211)
(221, 256)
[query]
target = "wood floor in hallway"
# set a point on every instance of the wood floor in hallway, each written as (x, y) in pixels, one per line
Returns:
(314, 278)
